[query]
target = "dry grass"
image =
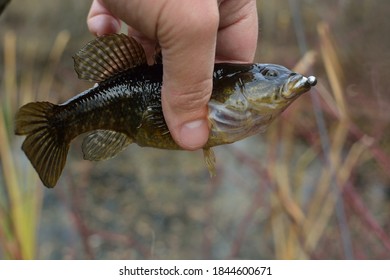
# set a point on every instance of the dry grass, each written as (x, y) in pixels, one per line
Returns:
(21, 202)
(298, 226)
(287, 194)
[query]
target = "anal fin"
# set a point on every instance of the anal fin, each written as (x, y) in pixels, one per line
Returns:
(104, 144)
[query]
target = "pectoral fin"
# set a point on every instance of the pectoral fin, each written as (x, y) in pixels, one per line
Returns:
(104, 144)
(209, 158)
(153, 120)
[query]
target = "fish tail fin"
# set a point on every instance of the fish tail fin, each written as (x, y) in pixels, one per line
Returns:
(44, 145)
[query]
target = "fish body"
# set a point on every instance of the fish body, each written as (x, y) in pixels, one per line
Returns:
(125, 106)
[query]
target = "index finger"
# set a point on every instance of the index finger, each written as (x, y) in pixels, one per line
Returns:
(238, 31)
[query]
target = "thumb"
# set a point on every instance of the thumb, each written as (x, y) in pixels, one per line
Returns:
(100, 20)
(188, 57)
(185, 110)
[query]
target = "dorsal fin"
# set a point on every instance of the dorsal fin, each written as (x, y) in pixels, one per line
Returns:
(108, 55)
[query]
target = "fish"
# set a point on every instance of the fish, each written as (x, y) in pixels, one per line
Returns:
(124, 106)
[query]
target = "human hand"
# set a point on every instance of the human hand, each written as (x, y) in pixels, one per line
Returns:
(193, 35)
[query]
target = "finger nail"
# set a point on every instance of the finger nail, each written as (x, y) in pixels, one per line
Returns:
(194, 135)
(103, 24)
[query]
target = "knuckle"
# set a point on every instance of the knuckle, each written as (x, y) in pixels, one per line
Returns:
(205, 24)
(201, 18)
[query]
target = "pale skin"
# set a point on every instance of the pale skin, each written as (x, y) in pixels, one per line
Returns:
(193, 35)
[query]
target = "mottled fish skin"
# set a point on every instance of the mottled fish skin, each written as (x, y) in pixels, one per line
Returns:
(125, 106)
(116, 104)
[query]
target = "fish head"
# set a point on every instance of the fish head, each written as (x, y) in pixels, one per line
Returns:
(274, 87)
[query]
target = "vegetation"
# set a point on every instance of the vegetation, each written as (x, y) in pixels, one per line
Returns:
(314, 186)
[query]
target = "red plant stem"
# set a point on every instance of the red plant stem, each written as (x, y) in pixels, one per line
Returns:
(207, 234)
(365, 215)
(244, 225)
(83, 230)
(126, 240)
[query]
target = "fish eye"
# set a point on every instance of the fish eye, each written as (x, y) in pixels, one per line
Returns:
(266, 72)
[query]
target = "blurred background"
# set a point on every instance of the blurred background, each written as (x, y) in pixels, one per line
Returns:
(316, 185)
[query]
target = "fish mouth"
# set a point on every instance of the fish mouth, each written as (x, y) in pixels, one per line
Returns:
(296, 85)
